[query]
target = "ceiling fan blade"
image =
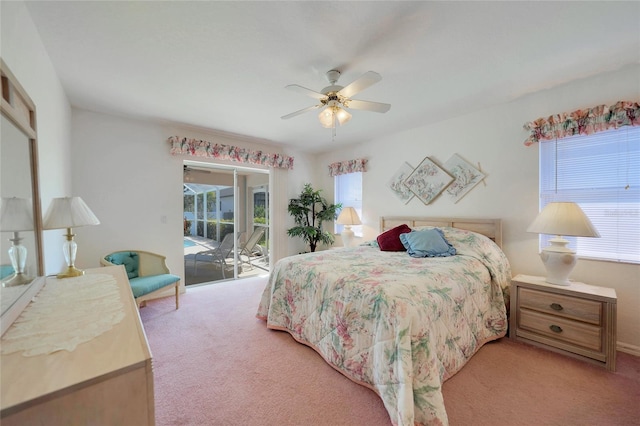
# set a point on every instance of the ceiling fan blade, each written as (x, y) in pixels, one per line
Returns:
(368, 105)
(305, 91)
(365, 80)
(302, 111)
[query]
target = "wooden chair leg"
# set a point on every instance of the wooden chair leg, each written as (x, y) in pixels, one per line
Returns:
(177, 294)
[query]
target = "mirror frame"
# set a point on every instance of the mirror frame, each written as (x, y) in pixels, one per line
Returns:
(20, 110)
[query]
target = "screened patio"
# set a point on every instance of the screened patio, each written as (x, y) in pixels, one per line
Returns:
(209, 215)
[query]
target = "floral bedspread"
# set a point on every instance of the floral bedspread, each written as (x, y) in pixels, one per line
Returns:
(397, 324)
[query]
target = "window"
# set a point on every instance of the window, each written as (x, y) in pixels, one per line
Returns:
(348, 191)
(601, 173)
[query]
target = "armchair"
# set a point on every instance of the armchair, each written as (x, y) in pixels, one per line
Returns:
(148, 273)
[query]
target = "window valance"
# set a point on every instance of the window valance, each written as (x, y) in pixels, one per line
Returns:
(583, 121)
(200, 148)
(350, 166)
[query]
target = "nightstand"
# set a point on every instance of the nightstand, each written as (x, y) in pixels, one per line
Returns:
(578, 320)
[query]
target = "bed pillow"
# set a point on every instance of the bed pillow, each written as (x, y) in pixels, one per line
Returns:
(427, 243)
(390, 241)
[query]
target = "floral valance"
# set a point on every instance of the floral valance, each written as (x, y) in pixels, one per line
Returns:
(583, 121)
(199, 148)
(350, 166)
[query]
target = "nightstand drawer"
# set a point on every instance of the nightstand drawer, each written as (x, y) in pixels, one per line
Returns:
(578, 320)
(558, 305)
(565, 330)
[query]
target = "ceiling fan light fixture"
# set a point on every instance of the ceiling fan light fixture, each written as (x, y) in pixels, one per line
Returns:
(342, 115)
(331, 114)
(335, 99)
(326, 117)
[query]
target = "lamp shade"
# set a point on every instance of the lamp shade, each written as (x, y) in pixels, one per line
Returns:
(16, 215)
(69, 212)
(348, 216)
(563, 218)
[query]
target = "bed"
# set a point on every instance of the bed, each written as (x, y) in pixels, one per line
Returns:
(397, 324)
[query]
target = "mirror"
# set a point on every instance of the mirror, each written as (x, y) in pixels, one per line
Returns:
(21, 260)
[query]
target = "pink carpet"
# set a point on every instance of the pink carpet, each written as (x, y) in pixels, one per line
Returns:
(216, 364)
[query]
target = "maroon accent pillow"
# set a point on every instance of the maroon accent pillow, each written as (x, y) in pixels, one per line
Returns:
(390, 240)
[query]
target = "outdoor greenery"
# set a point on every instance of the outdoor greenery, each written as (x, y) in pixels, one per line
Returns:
(259, 213)
(226, 227)
(189, 201)
(309, 211)
(260, 217)
(226, 224)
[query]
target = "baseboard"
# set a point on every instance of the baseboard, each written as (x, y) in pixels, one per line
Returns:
(628, 349)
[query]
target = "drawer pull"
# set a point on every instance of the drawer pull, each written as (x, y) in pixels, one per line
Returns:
(556, 307)
(555, 328)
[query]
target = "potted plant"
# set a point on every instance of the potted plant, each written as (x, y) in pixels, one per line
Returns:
(187, 226)
(309, 211)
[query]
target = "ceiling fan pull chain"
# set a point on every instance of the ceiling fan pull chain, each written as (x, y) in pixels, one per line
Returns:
(333, 129)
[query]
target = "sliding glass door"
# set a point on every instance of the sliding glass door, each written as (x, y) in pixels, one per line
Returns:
(219, 201)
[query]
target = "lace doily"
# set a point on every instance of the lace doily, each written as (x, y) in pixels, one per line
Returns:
(64, 314)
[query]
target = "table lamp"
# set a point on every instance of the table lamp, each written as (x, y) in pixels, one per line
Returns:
(69, 212)
(561, 218)
(16, 216)
(348, 217)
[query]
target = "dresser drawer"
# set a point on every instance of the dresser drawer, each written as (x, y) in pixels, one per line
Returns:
(564, 306)
(562, 329)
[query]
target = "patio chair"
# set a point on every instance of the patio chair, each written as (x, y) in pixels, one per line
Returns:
(219, 254)
(249, 246)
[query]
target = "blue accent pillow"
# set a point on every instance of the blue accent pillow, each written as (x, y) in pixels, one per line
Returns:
(127, 258)
(427, 243)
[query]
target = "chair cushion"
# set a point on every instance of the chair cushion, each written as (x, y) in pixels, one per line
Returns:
(145, 285)
(6, 270)
(129, 259)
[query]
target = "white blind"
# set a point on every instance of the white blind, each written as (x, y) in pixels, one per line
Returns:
(601, 173)
(348, 191)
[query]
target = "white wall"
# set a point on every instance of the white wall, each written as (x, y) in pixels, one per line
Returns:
(124, 171)
(494, 138)
(23, 52)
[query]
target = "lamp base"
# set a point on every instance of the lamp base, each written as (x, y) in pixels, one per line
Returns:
(16, 279)
(347, 236)
(559, 265)
(70, 272)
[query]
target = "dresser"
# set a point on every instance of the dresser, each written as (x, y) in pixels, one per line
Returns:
(578, 320)
(107, 380)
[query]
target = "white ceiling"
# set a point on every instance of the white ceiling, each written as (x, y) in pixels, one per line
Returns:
(224, 65)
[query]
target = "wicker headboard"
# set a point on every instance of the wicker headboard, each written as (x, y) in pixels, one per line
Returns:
(491, 228)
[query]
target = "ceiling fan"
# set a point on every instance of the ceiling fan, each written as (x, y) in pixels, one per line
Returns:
(335, 99)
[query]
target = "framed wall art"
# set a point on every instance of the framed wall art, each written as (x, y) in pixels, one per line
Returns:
(466, 177)
(396, 183)
(427, 180)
